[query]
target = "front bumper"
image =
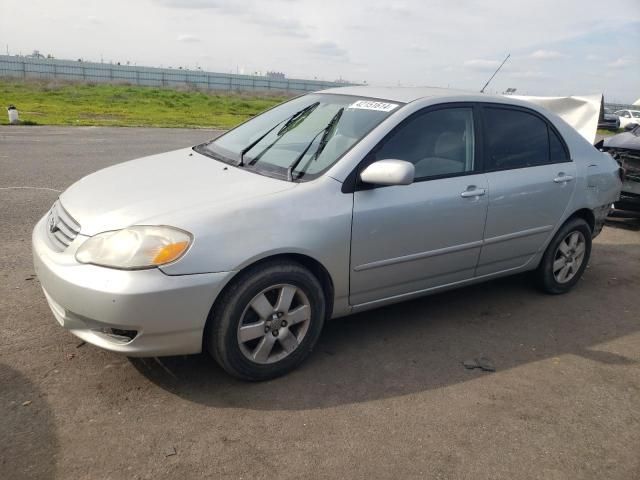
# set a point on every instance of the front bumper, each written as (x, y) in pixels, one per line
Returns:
(167, 313)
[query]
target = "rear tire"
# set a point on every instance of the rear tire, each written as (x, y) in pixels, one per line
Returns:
(267, 321)
(565, 258)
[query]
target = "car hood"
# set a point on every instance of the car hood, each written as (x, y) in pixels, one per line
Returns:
(626, 140)
(142, 191)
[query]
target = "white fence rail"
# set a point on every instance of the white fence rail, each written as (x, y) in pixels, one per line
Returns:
(33, 68)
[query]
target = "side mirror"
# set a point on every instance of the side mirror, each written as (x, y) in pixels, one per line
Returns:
(389, 172)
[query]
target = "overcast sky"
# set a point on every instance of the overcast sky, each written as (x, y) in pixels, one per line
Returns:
(557, 46)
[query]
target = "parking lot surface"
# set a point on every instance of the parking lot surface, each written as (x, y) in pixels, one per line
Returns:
(384, 395)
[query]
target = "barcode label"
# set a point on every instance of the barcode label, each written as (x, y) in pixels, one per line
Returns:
(373, 105)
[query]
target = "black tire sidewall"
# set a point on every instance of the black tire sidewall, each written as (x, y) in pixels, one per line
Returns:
(546, 278)
(222, 341)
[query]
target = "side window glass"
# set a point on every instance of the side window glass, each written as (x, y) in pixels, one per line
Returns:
(440, 142)
(514, 139)
(556, 149)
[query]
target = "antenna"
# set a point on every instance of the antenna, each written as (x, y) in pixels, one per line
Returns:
(495, 73)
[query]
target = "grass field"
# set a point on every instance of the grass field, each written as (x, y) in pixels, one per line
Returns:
(48, 103)
(56, 103)
(608, 133)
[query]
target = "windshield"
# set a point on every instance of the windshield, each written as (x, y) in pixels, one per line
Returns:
(302, 138)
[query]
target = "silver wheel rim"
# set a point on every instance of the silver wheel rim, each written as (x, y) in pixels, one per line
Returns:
(274, 324)
(569, 257)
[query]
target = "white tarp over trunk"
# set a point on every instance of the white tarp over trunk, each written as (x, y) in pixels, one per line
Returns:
(582, 112)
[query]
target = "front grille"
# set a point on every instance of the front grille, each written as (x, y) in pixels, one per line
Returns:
(62, 229)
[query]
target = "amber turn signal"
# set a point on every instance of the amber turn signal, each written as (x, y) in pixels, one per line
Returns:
(169, 253)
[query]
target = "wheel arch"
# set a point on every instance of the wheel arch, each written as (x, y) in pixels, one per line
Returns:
(312, 264)
(586, 214)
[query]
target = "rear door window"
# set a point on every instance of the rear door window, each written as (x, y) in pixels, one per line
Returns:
(518, 139)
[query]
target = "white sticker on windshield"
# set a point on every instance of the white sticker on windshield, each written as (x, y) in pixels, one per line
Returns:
(373, 105)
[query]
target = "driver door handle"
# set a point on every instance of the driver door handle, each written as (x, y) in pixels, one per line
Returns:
(473, 192)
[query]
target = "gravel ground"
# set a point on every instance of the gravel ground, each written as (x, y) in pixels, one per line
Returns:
(384, 395)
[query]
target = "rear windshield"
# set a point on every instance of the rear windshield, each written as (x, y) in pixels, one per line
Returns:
(302, 138)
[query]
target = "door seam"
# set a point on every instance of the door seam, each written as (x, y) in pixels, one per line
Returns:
(484, 228)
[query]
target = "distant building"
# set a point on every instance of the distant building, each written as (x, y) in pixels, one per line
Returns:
(276, 75)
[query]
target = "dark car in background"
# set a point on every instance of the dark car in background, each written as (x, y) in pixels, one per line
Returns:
(609, 121)
(625, 148)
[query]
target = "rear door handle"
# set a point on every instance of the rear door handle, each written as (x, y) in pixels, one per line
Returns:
(473, 192)
(561, 178)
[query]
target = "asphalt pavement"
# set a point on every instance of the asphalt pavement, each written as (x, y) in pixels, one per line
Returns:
(384, 395)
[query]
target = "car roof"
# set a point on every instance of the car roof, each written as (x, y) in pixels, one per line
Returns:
(402, 94)
(553, 109)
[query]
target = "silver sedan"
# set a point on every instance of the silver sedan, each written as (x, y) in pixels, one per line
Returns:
(331, 203)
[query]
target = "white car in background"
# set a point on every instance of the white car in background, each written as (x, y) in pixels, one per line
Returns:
(628, 116)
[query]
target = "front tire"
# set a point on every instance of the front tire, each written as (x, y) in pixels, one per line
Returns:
(267, 321)
(566, 257)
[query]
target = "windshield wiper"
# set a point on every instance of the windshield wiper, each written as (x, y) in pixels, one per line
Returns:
(287, 124)
(326, 131)
(292, 123)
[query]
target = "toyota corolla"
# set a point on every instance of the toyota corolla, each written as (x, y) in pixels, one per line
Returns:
(331, 203)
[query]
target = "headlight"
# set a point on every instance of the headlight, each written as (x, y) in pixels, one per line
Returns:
(135, 247)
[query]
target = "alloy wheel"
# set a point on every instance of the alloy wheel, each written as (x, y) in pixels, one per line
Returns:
(569, 257)
(274, 323)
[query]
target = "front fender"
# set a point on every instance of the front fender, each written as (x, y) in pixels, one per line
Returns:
(313, 219)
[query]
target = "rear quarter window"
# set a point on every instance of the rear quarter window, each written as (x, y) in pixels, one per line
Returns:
(557, 151)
